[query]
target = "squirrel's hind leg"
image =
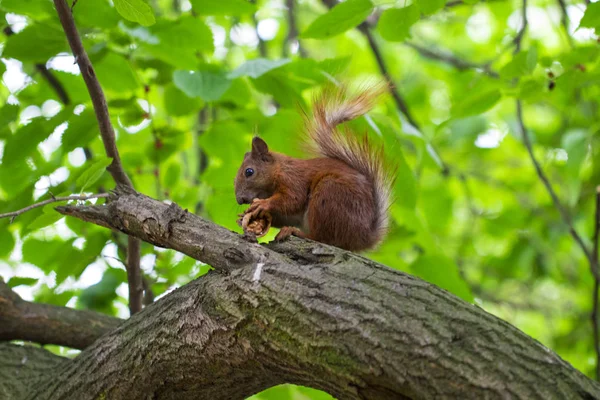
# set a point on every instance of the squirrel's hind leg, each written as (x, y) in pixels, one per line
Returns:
(288, 231)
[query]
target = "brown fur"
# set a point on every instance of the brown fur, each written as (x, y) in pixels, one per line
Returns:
(341, 197)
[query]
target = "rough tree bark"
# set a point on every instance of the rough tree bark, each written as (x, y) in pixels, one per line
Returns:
(297, 312)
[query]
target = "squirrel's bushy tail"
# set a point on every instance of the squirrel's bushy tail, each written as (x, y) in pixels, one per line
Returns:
(333, 107)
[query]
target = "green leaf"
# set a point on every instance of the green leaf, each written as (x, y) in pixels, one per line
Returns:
(476, 104)
(207, 85)
(8, 114)
(115, 73)
(178, 42)
(178, 104)
(522, 64)
(36, 43)
(591, 18)
(7, 241)
(21, 281)
(395, 23)
(24, 142)
(93, 173)
(339, 19)
(44, 220)
(82, 129)
(257, 67)
(96, 14)
(429, 7)
(222, 7)
(100, 296)
(443, 272)
(136, 11)
(30, 8)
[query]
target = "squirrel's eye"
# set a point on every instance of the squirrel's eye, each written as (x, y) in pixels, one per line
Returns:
(249, 172)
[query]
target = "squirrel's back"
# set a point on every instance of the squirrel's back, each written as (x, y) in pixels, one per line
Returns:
(333, 107)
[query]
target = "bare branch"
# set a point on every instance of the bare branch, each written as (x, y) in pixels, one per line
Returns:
(15, 214)
(519, 38)
(292, 30)
(49, 324)
(65, 14)
(559, 206)
(564, 20)
(595, 316)
(451, 59)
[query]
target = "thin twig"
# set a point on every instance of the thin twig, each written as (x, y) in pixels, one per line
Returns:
(451, 59)
(108, 139)
(595, 266)
(292, 30)
(400, 102)
(15, 214)
(559, 206)
(519, 38)
(564, 20)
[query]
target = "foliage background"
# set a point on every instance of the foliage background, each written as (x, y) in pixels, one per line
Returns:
(189, 83)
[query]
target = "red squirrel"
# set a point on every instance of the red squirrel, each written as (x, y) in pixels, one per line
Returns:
(341, 197)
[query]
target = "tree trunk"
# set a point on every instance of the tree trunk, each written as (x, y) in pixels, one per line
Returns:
(297, 312)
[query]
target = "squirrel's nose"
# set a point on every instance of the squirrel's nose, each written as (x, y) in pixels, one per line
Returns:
(241, 200)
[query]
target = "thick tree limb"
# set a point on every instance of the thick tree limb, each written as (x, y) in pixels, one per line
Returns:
(20, 364)
(49, 324)
(298, 312)
(65, 14)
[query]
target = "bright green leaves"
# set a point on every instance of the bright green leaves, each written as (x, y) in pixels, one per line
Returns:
(591, 18)
(36, 43)
(7, 240)
(177, 42)
(20, 281)
(523, 63)
(24, 142)
(394, 24)
(339, 19)
(207, 85)
(82, 129)
(136, 10)
(100, 296)
(115, 73)
(476, 103)
(257, 67)
(178, 104)
(93, 173)
(30, 8)
(429, 7)
(443, 272)
(222, 7)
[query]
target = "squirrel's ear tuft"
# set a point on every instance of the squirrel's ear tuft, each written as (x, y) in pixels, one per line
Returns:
(259, 147)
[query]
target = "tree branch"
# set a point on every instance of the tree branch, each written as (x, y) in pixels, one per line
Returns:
(595, 317)
(559, 206)
(298, 312)
(451, 59)
(49, 324)
(107, 132)
(15, 214)
(519, 38)
(292, 30)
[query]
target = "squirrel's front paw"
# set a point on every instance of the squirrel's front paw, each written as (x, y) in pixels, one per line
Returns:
(258, 208)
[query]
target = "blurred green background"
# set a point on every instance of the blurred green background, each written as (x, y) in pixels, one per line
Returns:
(189, 82)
